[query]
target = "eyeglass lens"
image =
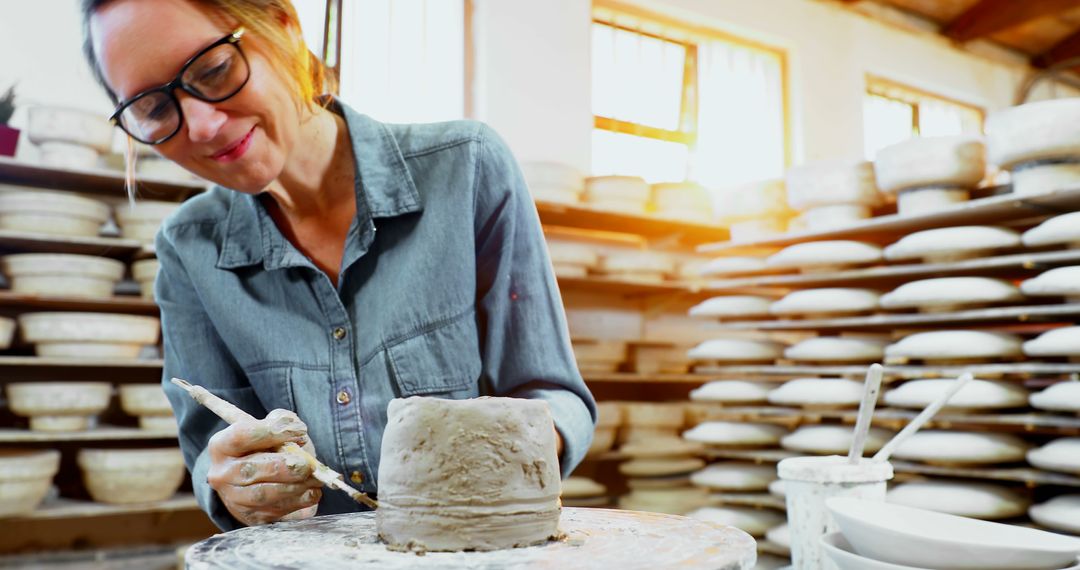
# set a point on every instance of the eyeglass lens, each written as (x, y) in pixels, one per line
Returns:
(214, 76)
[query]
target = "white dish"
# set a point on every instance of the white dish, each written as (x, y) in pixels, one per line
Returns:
(843, 555)
(736, 350)
(660, 467)
(643, 414)
(64, 155)
(1034, 131)
(735, 476)
(818, 393)
(830, 217)
(675, 501)
(733, 392)
(668, 446)
(7, 332)
(826, 255)
(926, 539)
(952, 244)
(732, 306)
(1061, 281)
(1060, 397)
(1041, 178)
(836, 349)
(62, 274)
(142, 220)
(735, 434)
(59, 406)
(986, 501)
(832, 439)
(89, 335)
(1057, 230)
(780, 536)
(1062, 454)
(914, 201)
(1064, 341)
(754, 522)
(58, 124)
(977, 394)
(778, 488)
(951, 293)
(25, 478)
(144, 400)
(145, 274)
(52, 213)
(124, 476)
(1060, 513)
(826, 301)
(830, 183)
(962, 448)
(733, 266)
(956, 345)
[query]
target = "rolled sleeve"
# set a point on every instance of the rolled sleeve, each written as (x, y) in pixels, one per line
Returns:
(195, 352)
(525, 343)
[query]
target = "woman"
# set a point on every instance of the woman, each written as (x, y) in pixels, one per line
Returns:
(338, 262)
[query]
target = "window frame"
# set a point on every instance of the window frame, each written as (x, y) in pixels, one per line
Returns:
(913, 97)
(651, 24)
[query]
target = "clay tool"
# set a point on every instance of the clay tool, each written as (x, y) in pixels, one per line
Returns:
(922, 418)
(866, 410)
(232, 414)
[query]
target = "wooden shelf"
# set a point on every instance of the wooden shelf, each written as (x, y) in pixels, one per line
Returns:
(42, 362)
(889, 275)
(27, 242)
(102, 433)
(1029, 313)
(617, 286)
(94, 181)
(72, 509)
(883, 229)
(651, 227)
(756, 500)
(115, 304)
(1022, 369)
(1026, 475)
(633, 377)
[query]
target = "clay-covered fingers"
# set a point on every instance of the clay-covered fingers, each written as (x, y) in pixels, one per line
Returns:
(264, 503)
(262, 467)
(245, 437)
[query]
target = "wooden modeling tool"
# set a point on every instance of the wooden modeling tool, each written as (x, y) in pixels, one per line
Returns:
(232, 414)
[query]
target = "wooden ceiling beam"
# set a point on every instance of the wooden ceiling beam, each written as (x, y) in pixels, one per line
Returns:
(1068, 48)
(991, 16)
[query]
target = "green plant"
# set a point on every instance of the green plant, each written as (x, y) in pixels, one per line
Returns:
(7, 105)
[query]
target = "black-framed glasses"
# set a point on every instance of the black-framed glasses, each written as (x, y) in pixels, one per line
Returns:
(213, 75)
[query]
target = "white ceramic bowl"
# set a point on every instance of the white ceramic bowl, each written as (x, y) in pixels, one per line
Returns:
(1057, 230)
(724, 266)
(73, 126)
(987, 501)
(88, 335)
(977, 394)
(25, 478)
(836, 349)
(64, 275)
(736, 434)
(1060, 397)
(731, 307)
(735, 476)
(1060, 513)
(603, 440)
(826, 301)
(1060, 281)
(926, 539)
(142, 220)
(644, 414)
(821, 393)
(832, 439)
(1064, 341)
(59, 406)
(1033, 131)
(733, 392)
(1062, 454)
(951, 293)
(947, 447)
(825, 255)
(581, 487)
(7, 332)
(831, 182)
(145, 272)
(122, 476)
(953, 243)
(736, 350)
(956, 345)
(58, 213)
(952, 161)
(755, 522)
(144, 400)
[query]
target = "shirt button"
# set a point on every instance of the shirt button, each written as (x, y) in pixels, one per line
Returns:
(343, 397)
(339, 333)
(357, 477)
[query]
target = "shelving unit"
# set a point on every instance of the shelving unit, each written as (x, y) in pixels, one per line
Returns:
(69, 520)
(996, 315)
(658, 231)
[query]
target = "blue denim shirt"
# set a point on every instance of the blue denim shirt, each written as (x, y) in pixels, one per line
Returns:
(445, 290)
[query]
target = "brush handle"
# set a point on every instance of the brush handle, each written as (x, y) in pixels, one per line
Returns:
(871, 388)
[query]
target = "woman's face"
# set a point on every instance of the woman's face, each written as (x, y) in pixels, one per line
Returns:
(241, 143)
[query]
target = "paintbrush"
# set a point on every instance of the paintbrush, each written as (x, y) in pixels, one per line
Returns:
(232, 414)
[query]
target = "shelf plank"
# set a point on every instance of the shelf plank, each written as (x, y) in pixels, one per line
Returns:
(1028, 313)
(12, 241)
(101, 433)
(1026, 475)
(897, 371)
(73, 509)
(43, 362)
(617, 286)
(94, 181)
(633, 377)
(586, 217)
(993, 209)
(115, 304)
(757, 500)
(1017, 263)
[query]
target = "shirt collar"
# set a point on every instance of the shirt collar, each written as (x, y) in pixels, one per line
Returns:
(384, 189)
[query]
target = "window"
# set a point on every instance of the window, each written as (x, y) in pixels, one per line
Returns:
(404, 59)
(893, 113)
(674, 102)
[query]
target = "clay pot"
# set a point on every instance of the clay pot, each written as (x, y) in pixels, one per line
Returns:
(25, 478)
(59, 406)
(123, 476)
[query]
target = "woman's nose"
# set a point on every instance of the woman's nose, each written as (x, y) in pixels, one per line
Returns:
(203, 120)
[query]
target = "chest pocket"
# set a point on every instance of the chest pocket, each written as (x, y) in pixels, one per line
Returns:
(442, 359)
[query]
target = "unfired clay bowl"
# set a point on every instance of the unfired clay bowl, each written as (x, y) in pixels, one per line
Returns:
(145, 272)
(74, 126)
(62, 274)
(59, 406)
(123, 476)
(88, 335)
(59, 213)
(148, 402)
(25, 478)
(7, 333)
(141, 221)
(926, 539)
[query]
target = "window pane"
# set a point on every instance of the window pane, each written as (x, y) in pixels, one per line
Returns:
(740, 116)
(941, 119)
(885, 122)
(636, 78)
(404, 60)
(630, 155)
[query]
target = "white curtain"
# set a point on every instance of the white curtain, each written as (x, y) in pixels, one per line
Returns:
(403, 61)
(740, 116)
(885, 122)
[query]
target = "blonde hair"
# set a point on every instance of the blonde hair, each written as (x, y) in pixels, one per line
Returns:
(276, 26)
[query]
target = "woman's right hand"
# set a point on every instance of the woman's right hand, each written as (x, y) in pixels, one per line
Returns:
(257, 484)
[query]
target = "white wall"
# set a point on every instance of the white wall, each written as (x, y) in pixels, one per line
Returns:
(530, 54)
